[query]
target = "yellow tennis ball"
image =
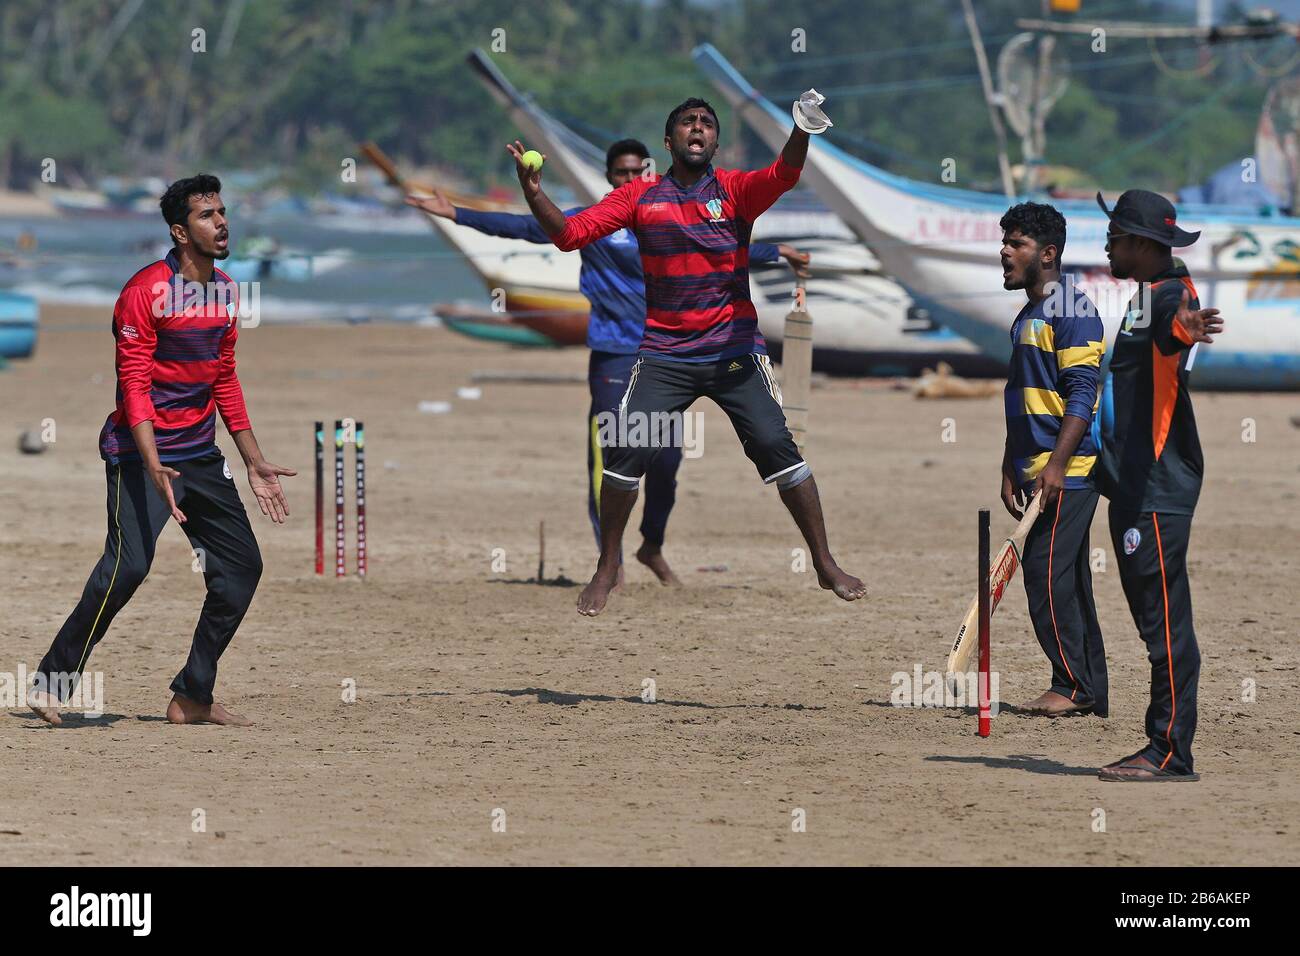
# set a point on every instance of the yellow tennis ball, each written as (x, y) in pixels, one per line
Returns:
(532, 159)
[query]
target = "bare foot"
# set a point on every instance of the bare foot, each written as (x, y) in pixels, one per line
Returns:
(653, 558)
(620, 581)
(182, 710)
(593, 597)
(45, 706)
(844, 585)
(1051, 704)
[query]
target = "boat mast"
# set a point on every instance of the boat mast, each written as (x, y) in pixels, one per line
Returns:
(990, 100)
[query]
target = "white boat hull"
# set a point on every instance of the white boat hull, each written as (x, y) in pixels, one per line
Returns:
(942, 244)
(861, 323)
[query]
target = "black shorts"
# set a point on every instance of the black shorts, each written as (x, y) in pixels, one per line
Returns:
(660, 391)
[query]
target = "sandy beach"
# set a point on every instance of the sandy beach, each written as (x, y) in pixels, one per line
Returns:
(484, 698)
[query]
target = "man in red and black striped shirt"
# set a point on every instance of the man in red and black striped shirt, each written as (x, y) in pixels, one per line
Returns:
(701, 333)
(175, 325)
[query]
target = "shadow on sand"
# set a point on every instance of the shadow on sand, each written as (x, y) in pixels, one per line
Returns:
(1031, 763)
(564, 699)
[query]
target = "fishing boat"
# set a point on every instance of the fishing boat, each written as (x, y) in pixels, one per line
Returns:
(476, 322)
(19, 316)
(864, 322)
(533, 286)
(262, 259)
(941, 243)
(530, 285)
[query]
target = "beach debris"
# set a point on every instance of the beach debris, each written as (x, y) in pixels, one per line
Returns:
(942, 383)
(30, 442)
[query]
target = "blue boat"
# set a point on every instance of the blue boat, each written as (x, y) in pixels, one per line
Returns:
(18, 320)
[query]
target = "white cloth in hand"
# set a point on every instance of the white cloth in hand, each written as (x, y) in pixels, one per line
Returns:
(808, 115)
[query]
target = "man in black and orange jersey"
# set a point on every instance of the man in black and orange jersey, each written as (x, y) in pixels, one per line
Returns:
(1151, 469)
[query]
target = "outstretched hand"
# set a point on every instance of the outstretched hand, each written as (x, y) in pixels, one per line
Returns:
(264, 479)
(1201, 324)
(435, 205)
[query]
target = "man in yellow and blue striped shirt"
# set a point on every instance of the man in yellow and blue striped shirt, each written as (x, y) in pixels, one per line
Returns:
(1052, 392)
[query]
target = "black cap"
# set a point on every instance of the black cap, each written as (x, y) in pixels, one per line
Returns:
(1143, 213)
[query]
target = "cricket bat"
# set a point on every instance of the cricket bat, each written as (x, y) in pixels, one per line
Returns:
(796, 366)
(386, 166)
(384, 163)
(1002, 569)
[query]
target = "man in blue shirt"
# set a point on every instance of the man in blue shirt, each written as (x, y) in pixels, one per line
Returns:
(612, 281)
(1052, 392)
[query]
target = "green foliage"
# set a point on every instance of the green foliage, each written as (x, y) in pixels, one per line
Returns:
(45, 123)
(295, 84)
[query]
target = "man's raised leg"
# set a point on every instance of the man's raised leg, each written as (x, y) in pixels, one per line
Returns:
(806, 507)
(747, 391)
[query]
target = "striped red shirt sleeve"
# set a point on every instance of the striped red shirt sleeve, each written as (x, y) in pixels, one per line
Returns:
(754, 191)
(133, 327)
(226, 390)
(614, 212)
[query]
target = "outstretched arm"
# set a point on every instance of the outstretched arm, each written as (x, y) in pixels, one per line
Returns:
(507, 225)
(504, 224)
(756, 191)
(1179, 326)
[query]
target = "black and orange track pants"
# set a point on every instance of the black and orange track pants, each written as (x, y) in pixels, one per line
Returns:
(1152, 552)
(1058, 584)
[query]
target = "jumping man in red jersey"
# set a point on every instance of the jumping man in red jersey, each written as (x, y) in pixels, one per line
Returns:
(701, 336)
(175, 325)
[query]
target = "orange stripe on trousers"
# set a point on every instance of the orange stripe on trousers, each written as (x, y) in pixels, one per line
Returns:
(1169, 655)
(1051, 603)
